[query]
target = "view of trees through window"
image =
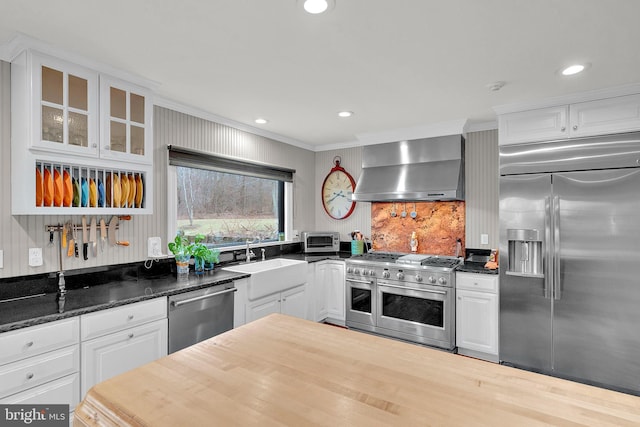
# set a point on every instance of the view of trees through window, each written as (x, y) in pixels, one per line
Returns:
(227, 208)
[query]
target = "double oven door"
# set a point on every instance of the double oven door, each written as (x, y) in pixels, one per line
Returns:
(416, 312)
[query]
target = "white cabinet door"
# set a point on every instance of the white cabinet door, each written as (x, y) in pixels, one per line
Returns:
(317, 292)
(65, 390)
(240, 303)
(113, 354)
(294, 302)
(477, 321)
(263, 307)
(605, 116)
(336, 291)
(535, 125)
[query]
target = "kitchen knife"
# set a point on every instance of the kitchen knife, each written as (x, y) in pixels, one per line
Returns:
(71, 243)
(85, 239)
(103, 233)
(113, 223)
(93, 236)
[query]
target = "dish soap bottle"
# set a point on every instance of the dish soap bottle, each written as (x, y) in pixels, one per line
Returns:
(414, 242)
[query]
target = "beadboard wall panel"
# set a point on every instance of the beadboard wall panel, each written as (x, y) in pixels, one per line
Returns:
(360, 219)
(481, 188)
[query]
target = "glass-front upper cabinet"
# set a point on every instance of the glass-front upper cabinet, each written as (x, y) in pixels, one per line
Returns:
(65, 106)
(126, 121)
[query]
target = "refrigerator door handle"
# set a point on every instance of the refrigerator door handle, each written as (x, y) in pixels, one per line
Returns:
(557, 293)
(547, 250)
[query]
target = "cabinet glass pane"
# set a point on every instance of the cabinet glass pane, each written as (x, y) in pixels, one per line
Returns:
(137, 108)
(118, 137)
(52, 85)
(118, 103)
(77, 93)
(137, 140)
(52, 121)
(78, 130)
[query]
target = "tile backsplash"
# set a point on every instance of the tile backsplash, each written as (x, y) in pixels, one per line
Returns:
(438, 226)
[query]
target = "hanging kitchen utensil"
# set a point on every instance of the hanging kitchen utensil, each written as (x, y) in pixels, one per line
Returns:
(113, 225)
(75, 241)
(93, 236)
(85, 238)
(63, 236)
(103, 233)
(71, 242)
(393, 210)
(413, 213)
(403, 214)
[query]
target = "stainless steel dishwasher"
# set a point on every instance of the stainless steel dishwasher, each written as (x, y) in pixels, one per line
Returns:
(201, 314)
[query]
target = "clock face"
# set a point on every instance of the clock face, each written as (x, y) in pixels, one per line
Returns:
(336, 194)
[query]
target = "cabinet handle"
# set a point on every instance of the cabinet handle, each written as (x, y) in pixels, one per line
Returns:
(575, 127)
(130, 317)
(29, 375)
(94, 145)
(107, 147)
(130, 335)
(563, 128)
(30, 343)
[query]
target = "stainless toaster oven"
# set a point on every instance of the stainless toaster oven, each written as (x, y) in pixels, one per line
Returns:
(320, 241)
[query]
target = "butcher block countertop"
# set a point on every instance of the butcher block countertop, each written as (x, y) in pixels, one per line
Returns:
(283, 371)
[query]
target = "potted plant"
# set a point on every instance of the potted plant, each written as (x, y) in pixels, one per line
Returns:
(181, 249)
(204, 257)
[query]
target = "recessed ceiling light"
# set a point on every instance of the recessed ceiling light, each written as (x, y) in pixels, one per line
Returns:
(345, 114)
(317, 6)
(573, 69)
(261, 121)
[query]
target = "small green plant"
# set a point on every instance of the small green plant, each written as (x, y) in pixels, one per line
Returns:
(180, 245)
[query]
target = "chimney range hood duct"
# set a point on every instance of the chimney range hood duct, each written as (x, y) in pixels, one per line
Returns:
(418, 170)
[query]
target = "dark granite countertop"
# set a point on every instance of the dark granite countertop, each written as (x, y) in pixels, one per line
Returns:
(476, 267)
(47, 307)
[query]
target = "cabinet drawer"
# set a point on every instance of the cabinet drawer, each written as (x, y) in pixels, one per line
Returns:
(477, 282)
(27, 342)
(116, 319)
(34, 371)
(62, 391)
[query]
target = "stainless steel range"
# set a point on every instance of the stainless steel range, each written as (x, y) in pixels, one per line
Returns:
(405, 296)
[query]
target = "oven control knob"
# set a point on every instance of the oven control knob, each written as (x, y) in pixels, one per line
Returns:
(372, 272)
(385, 274)
(442, 281)
(363, 272)
(431, 279)
(418, 278)
(400, 275)
(349, 270)
(356, 271)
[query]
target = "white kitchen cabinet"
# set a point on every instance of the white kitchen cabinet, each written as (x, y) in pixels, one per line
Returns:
(330, 279)
(292, 302)
(40, 364)
(113, 354)
(57, 138)
(119, 339)
(317, 298)
(589, 118)
(477, 315)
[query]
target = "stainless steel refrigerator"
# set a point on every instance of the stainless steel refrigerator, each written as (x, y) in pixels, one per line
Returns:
(570, 259)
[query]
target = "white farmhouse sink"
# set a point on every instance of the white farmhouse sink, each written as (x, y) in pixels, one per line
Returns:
(271, 276)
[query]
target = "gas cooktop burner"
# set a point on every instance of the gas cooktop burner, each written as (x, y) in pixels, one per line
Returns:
(408, 259)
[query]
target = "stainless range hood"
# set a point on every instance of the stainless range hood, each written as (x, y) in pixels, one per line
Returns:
(417, 170)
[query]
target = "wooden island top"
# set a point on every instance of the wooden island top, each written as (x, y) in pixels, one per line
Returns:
(283, 371)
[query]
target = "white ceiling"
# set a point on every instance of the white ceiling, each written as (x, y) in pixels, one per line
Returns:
(395, 63)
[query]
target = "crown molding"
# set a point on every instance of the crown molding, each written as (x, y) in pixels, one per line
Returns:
(451, 127)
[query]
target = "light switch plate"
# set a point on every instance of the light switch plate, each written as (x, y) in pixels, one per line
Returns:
(35, 257)
(484, 239)
(154, 247)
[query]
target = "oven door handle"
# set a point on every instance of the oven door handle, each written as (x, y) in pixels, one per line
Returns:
(367, 282)
(413, 289)
(201, 297)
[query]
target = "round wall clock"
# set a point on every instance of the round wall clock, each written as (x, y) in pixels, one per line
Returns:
(337, 190)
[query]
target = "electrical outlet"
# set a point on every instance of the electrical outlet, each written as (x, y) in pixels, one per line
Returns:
(484, 239)
(35, 257)
(154, 247)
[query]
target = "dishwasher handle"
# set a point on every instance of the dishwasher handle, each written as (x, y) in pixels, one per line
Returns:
(177, 304)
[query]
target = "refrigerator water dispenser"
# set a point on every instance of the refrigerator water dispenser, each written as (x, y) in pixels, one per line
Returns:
(525, 253)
